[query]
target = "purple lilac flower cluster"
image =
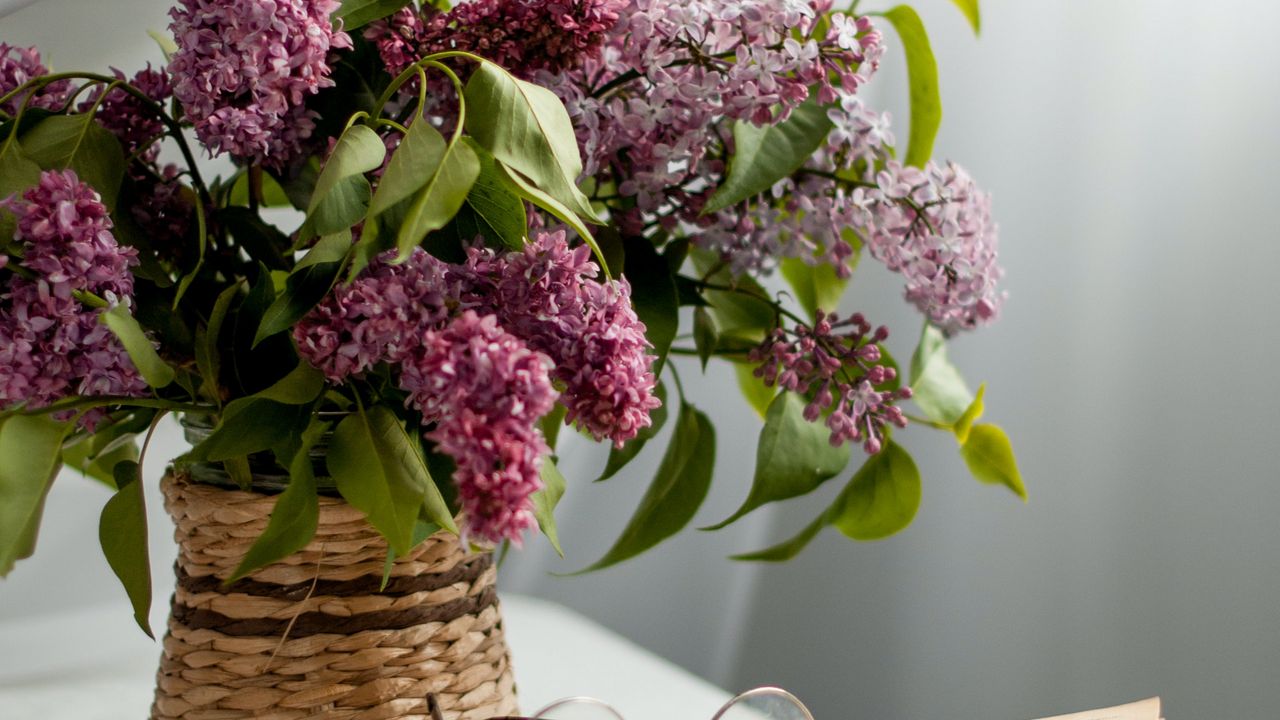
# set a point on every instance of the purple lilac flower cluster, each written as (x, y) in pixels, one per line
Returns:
(17, 66)
(547, 294)
(836, 363)
(507, 315)
(244, 69)
(484, 390)
(522, 35)
(934, 226)
(127, 117)
(51, 345)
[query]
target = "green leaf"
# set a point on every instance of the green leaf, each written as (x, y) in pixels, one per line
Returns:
(936, 385)
(264, 420)
(358, 13)
(166, 44)
(764, 155)
(496, 212)
(545, 501)
(620, 457)
(296, 515)
(788, 548)
(678, 489)
(208, 345)
(815, 286)
(989, 455)
(77, 143)
(705, 335)
(922, 76)
(91, 458)
(439, 199)
(311, 279)
(380, 472)
(261, 241)
(881, 499)
(153, 369)
(122, 532)
(970, 416)
(971, 13)
(551, 423)
(342, 193)
(793, 457)
(653, 293)
(17, 174)
(527, 128)
(526, 191)
(745, 312)
(413, 163)
(758, 395)
(273, 193)
(29, 446)
(302, 385)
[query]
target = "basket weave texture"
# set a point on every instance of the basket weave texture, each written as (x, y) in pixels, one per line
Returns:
(311, 636)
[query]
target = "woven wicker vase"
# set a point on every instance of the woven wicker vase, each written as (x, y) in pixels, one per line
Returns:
(312, 636)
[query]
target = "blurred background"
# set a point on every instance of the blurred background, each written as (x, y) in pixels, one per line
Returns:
(1130, 147)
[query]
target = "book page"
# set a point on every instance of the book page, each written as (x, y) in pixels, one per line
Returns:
(1148, 709)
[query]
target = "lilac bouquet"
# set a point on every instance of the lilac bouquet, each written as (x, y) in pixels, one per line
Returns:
(502, 213)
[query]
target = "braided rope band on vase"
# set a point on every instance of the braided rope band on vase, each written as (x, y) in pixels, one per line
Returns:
(312, 636)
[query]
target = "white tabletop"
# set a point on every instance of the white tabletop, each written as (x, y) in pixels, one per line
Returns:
(556, 652)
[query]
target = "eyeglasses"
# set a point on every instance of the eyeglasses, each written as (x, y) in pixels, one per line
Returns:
(762, 703)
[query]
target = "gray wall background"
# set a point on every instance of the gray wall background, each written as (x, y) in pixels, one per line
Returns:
(1131, 147)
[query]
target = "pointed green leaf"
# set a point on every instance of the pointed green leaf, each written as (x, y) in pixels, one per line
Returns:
(970, 416)
(545, 501)
(936, 384)
(526, 191)
(922, 76)
(989, 455)
(971, 13)
(764, 155)
(439, 199)
(29, 446)
(793, 456)
(881, 499)
(758, 395)
(358, 13)
(499, 214)
(705, 335)
(208, 343)
(122, 532)
(76, 142)
(788, 548)
(166, 44)
(251, 425)
(296, 515)
(745, 312)
(413, 163)
(312, 278)
(527, 128)
(141, 351)
(377, 469)
(678, 489)
(341, 194)
(620, 457)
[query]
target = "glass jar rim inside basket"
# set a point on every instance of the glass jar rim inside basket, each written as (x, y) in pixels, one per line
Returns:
(762, 703)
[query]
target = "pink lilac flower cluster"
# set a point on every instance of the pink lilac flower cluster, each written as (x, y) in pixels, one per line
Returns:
(17, 66)
(836, 363)
(484, 390)
(51, 345)
(244, 69)
(655, 109)
(522, 35)
(547, 295)
(127, 117)
(933, 225)
(540, 303)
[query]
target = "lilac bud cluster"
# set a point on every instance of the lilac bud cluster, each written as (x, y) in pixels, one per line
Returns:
(837, 365)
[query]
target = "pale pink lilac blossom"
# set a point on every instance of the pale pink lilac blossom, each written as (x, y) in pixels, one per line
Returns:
(838, 365)
(244, 69)
(934, 226)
